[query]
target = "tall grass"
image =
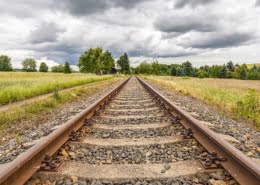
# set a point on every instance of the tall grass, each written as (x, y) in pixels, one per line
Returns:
(238, 98)
(16, 86)
(48, 104)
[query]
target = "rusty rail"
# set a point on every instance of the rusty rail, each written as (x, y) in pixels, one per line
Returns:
(241, 167)
(24, 166)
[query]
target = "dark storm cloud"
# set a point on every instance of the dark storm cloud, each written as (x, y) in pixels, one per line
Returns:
(222, 40)
(85, 7)
(192, 3)
(182, 24)
(46, 32)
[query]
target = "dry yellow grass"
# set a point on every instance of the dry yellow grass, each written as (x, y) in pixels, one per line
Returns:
(230, 95)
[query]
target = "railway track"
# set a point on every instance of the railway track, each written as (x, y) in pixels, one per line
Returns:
(133, 135)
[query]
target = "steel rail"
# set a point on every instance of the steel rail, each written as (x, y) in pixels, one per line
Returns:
(25, 165)
(241, 167)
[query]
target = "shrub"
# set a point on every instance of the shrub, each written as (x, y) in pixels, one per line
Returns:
(249, 106)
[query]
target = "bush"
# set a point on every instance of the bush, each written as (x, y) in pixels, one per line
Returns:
(249, 106)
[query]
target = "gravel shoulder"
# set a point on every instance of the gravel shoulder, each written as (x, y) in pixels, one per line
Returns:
(241, 135)
(30, 131)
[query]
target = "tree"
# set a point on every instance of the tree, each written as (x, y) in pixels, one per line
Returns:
(145, 68)
(88, 62)
(5, 63)
(96, 61)
(105, 63)
(223, 72)
(230, 66)
(58, 69)
(43, 67)
(174, 70)
(29, 65)
(187, 68)
(243, 72)
(155, 68)
(124, 63)
(67, 68)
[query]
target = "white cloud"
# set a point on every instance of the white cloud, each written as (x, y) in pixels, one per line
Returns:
(58, 31)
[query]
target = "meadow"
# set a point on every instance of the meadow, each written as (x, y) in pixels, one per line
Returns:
(17, 86)
(237, 98)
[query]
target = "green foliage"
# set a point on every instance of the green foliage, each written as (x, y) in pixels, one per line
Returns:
(223, 72)
(145, 68)
(5, 63)
(43, 67)
(96, 61)
(124, 63)
(249, 106)
(174, 70)
(243, 72)
(156, 69)
(187, 68)
(58, 69)
(230, 66)
(67, 68)
(105, 62)
(18, 139)
(201, 73)
(29, 65)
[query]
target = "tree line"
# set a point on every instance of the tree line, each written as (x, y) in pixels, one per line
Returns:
(94, 60)
(29, 65)
(229, 70)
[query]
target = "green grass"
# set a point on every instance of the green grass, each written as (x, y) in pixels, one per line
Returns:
(39, 108)
(237, 98)
(17, 86)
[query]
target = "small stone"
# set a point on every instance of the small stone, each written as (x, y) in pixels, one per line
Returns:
(167, 166)
(105, 135)
(163, 171)
(149, 154)
(217, 182)
(249, 154)
(74, 179)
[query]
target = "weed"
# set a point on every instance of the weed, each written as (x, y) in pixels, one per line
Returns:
(18, 139)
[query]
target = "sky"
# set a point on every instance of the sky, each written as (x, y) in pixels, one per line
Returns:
(170, 31)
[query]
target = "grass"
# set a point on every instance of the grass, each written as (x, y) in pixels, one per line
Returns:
(236, 98)
(35, 110)
(17, 86)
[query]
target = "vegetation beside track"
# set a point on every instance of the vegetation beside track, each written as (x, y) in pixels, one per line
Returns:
(17, 86)
(40, 108)
(237, 98)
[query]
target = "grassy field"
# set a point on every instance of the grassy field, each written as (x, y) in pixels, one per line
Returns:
(17, 86)
(38, 109)
(240, 98)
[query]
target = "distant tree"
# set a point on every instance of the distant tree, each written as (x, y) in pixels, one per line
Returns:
(145, 68)
(105, 63)
(230, 66)
(243, 72)
(124, 63)
(223, 72)
(58, 69)
(5, 63)
(88, 62)
(155, 68)
(174, 71)
(187, 68)
(29, 65)
(202, 73)
(43, 67)
(67, 68)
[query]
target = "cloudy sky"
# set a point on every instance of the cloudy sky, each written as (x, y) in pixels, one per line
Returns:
(171, 31)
